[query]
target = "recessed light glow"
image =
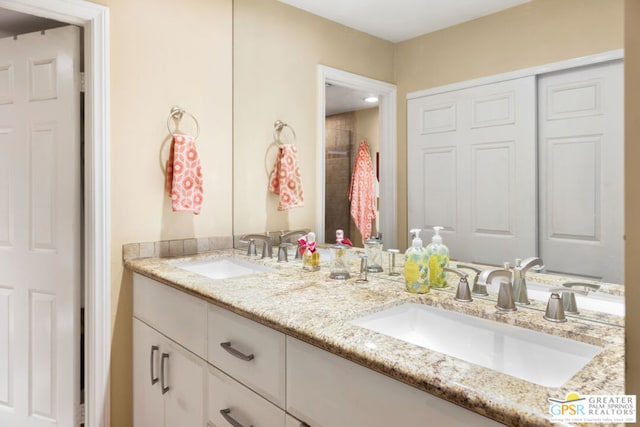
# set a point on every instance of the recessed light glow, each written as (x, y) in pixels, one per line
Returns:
(371, 99)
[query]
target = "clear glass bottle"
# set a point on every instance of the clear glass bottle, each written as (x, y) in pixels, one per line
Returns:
(373, 249)
(339, 258)
(310, 256)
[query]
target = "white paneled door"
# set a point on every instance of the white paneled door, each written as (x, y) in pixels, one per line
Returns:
(471, 168)
(40, 229)
(581, 171)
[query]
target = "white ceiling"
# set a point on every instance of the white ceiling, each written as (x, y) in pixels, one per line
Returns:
(340, 99)
(398, 20)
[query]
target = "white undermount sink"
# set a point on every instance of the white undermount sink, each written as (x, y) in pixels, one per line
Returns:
(539, 358)
(222, 268)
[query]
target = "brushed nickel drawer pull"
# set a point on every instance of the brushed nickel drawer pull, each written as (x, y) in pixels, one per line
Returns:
(236, 353)
(154, 349)
(165, 356)
(226, 413)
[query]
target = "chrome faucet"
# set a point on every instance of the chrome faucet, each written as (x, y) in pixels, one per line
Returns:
(503, 277)
(520, 295)
(267, 251)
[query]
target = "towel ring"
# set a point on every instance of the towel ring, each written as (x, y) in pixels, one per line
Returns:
(278, 126)
(178, 113)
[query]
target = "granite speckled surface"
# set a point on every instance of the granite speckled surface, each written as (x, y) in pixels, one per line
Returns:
(315, 309)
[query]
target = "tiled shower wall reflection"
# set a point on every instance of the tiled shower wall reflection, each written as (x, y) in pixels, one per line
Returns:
(339, 133)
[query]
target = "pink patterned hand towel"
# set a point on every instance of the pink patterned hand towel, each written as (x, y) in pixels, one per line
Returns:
(285, 179)
(184, 175)
(362, 192)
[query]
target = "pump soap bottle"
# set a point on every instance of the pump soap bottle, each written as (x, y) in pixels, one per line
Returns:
(438, 255)
(416, 266)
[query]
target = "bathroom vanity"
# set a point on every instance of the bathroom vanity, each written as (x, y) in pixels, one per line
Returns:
(278, 347)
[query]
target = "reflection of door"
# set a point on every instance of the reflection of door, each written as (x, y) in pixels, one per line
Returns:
(581, 171)
(40, 219)
(471, 169)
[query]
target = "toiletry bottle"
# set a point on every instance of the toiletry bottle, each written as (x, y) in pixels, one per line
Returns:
(310, 256)
(373, 249)
(438, 255)
(339, 258)
(416, 266)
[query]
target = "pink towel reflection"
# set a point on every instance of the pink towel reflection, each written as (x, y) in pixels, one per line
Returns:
(362, 192)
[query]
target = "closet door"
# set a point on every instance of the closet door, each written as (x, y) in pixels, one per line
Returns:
(472, 169)
(581, 171)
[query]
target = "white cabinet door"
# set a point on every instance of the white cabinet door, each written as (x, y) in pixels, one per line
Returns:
(148, 403)
(471, 168)
(185, 375)
(168, 381)
(230, 402)
(581, 171)
(325, 390)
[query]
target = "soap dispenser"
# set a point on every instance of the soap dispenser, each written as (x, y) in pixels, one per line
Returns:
(339, 258)
(438, 255)
(416, 266)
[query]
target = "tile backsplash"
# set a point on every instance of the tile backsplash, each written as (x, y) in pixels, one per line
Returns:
(178, 247)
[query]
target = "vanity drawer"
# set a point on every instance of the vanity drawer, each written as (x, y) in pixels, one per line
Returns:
(249, 352)
(173, 313)
(238, 403)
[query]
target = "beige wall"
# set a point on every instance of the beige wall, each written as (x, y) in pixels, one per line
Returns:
(276, 53)
(632, 195)
(163, 54)
(535, 33)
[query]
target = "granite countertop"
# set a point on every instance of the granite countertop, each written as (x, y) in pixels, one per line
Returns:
(313, 308)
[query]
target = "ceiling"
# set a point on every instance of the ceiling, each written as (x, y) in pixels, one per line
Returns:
(399, 20)
(340, 99)
(14, 23)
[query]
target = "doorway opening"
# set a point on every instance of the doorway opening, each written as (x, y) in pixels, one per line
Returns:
(386, 129)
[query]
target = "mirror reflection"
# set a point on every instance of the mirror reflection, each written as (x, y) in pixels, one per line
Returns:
(275, 77)
(351, 164)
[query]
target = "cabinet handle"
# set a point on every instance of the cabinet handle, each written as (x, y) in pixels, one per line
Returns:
(154, 349)
(165, 356)
(226, 413)
(303, 424)
(236, 353)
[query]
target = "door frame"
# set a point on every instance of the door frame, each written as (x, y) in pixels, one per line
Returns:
(388, 147)
(95, 21)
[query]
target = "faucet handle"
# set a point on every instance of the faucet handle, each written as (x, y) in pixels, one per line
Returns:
(478, 288)
(558, 304)
(592, 286)
(463, 294)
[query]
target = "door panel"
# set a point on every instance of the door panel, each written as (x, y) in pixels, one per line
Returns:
(471, 168)
(581, 164)
(40, 217)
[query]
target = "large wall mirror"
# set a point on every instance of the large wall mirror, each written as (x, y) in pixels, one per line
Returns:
(279, 52)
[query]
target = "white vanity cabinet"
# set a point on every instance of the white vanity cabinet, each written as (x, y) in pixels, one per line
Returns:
(168, 375)
(325, 390)
(196, 364)
(251, 353)
(168, 381)
(232, 404)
